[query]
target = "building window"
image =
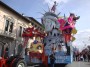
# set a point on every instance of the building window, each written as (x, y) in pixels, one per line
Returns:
(36, 26)
(20, 31)
(9, 26)
(32, 23)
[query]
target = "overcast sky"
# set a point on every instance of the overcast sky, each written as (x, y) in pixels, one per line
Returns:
(33, 7)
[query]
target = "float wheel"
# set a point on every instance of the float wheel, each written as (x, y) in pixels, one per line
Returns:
(20, 63)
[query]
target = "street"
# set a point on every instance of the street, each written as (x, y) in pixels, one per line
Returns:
(79, 64)
(74, 64)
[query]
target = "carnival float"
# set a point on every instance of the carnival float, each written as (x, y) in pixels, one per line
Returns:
(57, 38)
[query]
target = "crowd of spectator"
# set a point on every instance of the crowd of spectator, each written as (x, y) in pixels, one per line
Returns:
(84, 55)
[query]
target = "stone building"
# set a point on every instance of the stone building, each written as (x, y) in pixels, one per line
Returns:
(12, 25)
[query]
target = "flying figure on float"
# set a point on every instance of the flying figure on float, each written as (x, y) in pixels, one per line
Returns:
(53, 9)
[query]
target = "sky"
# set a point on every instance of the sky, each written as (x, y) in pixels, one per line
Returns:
(82, 39)
(34, 8)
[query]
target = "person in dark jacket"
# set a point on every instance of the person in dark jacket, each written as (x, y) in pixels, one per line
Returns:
(88, 56)
(84, 56)
(52, 60)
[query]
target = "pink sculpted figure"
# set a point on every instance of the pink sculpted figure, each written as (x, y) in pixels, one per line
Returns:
(70, 23)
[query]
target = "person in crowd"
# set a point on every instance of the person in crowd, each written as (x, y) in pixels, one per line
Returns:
(77, 55)
(88, 56)
(52, 60)
(81, 57)
(84, 56)
(27, 59)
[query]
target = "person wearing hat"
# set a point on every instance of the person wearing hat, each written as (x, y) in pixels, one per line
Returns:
(71, 22)
(72, 19)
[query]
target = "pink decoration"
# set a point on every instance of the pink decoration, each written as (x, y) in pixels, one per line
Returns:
(63, 22)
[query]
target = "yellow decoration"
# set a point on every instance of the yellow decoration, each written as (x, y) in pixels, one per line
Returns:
(36, 47)
(74, 31)
(38, 39)
(73, 38)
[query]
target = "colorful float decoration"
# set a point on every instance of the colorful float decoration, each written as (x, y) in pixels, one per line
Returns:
(74, 31)
(28, 32)
(68, 22)
(32, 32)
(36, 49)
(58, 29)
(73, 38)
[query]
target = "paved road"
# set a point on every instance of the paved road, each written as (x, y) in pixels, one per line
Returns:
(79, 64)
(74, 64)
(34, 66)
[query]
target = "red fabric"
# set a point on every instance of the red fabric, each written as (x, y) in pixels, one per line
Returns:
(37, 55)
(3, 62)
(25, 42)
(67, 37)
(45, 60)
(28, 32)
(27, 35)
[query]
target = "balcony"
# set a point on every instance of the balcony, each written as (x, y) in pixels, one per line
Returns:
(7, 34)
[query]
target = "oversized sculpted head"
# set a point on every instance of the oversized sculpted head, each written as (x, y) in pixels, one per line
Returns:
(49, 20)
